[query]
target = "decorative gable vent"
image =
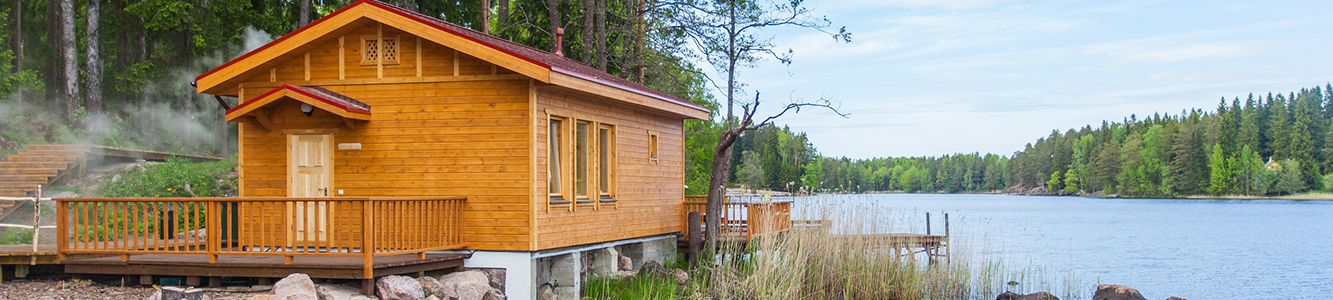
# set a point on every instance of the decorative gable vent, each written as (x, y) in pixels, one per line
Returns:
(372, 49)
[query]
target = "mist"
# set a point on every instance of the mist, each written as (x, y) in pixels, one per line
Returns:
(167, 115)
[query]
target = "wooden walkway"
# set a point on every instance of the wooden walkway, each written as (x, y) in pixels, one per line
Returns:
(20, 173)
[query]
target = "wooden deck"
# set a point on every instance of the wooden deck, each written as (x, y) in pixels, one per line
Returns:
(332, 267)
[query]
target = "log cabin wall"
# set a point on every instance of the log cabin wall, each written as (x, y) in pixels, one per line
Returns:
(455, 126)
(649, 193)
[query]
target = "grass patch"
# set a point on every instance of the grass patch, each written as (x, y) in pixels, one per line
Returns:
(630, 288)
(824, 263)
(170, 179)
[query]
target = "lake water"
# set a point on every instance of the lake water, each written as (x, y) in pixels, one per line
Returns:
(1197, 249)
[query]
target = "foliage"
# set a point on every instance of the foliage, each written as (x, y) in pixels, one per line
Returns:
(629, 288)
(17, 236)
(176, 178)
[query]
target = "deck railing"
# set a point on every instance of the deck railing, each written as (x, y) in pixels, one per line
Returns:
(276, 226)
(742, 219)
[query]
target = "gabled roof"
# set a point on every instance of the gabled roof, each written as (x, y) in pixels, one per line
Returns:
(318, 97)
(537, 64)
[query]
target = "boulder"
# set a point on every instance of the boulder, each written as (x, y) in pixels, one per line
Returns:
(497, 278)
(1176, 298)
(494, 294)
(339, 292)
(265, 297)
(469, 285)
(295, 286)
(653, 268)
(680, 276)
(1116, 292)
(1032, 296)
(432, 297)
(432, 287)
(626, 264)
(394, 287)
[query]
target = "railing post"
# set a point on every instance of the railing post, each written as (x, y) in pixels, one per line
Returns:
(62, 230)
(367, 239)
(213, 229)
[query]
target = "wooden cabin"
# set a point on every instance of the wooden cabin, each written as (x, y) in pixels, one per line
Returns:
(382, 118)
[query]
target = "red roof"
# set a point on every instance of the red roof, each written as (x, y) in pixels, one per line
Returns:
(542, 58)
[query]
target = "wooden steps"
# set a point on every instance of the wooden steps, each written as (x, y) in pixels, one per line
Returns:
(23, 171)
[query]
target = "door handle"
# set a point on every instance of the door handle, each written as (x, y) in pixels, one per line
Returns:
(325, 190)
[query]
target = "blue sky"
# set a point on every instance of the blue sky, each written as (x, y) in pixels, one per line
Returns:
(927, 78)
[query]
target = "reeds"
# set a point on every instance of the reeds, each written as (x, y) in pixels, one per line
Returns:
(835, 261)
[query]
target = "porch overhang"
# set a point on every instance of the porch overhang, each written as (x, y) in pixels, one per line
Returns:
(346, 107)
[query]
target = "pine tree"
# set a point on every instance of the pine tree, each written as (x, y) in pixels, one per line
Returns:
(1278, 134)
(1249, 124)
(1221, 178)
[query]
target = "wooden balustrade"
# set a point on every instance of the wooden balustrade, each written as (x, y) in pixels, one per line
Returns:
(288, 227)
(743, 219)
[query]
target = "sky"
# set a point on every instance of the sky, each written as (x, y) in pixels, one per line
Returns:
(936, 77)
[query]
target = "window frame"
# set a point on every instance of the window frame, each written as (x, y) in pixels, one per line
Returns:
(654, 147)
(555, 162)
(566, 167)
(606, 152)
(367, 60)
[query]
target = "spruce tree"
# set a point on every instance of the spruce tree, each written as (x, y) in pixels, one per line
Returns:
(1221, 177)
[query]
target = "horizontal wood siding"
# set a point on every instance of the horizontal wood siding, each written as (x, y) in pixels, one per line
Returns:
(649, 194)
(464, 138)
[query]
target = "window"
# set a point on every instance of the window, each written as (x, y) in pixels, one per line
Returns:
(581, 160)
(553, 177)
(373, 48)
(606, 149)
(652, 146)
(581, 166)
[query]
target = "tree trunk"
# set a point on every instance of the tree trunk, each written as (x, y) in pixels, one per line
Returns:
(486, 16)
(717, 192)
(303, 16)
(601, 35)
(94, 71)
(70, 55)
(54, 82)
(589, 15)
(504, 10)
(553, 13)
(640, 37)
(18, 45)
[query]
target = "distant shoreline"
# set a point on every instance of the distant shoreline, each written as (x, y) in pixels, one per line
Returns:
(1301, 196)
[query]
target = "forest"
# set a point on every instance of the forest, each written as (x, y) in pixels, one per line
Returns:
(118, 73)
(1273, 144)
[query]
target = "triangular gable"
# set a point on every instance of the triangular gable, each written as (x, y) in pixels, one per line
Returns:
(536, 64)
(343, 106)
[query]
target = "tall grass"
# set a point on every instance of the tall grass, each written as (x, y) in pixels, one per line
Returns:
(827, 263)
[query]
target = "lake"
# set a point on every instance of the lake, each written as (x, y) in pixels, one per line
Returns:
(1196, 249)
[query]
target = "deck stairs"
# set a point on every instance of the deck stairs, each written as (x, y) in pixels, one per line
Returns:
(22, 172)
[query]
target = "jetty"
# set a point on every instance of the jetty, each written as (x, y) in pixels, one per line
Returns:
(744, 221)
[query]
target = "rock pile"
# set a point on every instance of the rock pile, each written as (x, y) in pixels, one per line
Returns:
(481, 284)
(1104, 292)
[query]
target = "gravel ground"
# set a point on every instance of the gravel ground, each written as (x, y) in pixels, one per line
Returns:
(71, 289)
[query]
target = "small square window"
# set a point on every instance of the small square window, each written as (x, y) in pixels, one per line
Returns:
(373, 49)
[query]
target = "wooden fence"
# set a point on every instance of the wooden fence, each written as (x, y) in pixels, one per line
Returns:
(278, 226)
(742, 219)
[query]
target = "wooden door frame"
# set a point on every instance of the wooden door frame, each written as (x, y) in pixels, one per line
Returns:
(290, 213)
